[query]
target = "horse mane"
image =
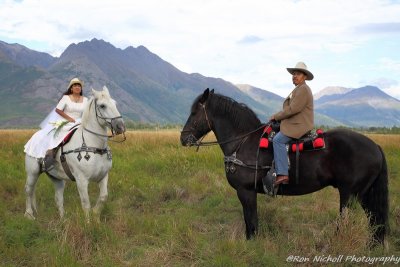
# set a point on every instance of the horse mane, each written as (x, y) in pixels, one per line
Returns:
(239, 114)
(86, 111)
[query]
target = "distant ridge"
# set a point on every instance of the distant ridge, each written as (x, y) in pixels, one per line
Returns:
(331, 90)
(365, 106)
(23, 56)
(150, 89)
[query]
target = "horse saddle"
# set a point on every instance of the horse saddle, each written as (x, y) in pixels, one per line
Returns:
(313, 140)
(310, 141)
(69, 135)
(48, 161)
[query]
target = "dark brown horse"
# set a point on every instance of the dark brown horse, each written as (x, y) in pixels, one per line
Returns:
(350, 161)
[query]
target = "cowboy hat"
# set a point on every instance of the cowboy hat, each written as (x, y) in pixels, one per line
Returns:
(75, 81)
(300, 66)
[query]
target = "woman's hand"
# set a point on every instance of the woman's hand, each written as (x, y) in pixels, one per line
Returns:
(65, 116)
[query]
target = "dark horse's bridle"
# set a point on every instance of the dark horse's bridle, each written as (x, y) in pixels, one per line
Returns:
(199, 142)
(227, 159)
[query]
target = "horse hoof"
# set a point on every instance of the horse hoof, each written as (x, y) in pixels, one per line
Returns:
(29, 216)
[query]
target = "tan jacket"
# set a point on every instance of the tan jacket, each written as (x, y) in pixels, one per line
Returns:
(297, 116)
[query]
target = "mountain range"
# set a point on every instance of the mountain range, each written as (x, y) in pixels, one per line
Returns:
(149, 89)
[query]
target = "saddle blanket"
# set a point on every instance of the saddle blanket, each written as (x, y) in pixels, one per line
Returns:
(311, 141)
(68, 136)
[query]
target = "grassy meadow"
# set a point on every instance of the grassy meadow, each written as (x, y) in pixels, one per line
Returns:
(169, 205)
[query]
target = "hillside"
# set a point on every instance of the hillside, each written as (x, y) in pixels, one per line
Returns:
(365, 106)
(149, 89)
(274, 102)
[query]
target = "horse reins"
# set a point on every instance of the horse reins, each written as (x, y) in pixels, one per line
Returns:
(199, 142)
(108, 122)
(85, 148)
(231, 158)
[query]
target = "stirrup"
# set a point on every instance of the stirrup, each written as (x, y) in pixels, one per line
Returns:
(268, 182)
(47, 165)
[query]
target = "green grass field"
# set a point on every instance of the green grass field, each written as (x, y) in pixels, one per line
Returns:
(172, 206)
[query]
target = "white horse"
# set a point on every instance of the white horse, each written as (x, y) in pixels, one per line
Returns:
(87, 155)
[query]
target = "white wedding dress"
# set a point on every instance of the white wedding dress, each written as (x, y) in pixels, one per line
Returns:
(49, 136)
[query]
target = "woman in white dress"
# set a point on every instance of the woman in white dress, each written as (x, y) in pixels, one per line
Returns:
(57, 124)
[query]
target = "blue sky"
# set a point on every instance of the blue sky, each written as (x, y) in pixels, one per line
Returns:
(344, 43)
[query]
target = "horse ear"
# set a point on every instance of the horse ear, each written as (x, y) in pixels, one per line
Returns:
(212, 91)
(105, 89)
(93, 91)
(205, 95)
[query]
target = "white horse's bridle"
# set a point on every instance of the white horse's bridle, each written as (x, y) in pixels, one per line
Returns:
(109, 121)
(85, 149)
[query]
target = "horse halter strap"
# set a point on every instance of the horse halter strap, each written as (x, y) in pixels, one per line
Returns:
(198, 142)
(205, 113)
(108, 122)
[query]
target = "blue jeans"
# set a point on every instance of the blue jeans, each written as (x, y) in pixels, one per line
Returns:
(280, 153)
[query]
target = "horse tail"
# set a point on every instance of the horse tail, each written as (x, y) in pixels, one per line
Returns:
(375, 202)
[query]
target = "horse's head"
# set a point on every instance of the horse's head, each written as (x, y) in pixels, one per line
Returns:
(198, 124)
(107, 114)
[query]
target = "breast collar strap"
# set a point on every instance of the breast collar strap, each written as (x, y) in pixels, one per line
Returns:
(85, 149)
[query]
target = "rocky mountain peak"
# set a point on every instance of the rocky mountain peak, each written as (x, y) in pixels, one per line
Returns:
(150, 89)
(24, 56)
(331, 90)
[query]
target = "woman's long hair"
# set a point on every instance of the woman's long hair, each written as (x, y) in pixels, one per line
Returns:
(69, 91)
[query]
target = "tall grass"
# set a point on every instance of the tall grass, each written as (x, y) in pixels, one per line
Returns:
(172, 206)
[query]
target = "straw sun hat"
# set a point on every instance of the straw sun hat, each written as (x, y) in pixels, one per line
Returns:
(74, 81)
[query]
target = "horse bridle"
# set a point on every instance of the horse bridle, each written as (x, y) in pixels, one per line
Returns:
(192, 139)
(198, 142)
(109, 123)
(229, 159)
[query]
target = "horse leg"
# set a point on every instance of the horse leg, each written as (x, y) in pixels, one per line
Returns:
(344, 199)
(103, 194)
(33, 171)
(30, 186)
(248, 198)
(375, 203)
(344, 196)
(59, 186)
(82, 184)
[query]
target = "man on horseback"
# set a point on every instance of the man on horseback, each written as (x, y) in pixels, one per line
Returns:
(296, 117)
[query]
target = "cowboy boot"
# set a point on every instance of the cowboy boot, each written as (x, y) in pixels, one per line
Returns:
(282, 179)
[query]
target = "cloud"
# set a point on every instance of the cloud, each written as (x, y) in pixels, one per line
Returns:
(389, 64)
(380, 28)
(250, 39)
(393, 90)
(243, 41)
(384, 83)
(389, 86)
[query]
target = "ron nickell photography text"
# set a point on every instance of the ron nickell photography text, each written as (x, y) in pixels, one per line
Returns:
(357, 259)
(348, 258)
